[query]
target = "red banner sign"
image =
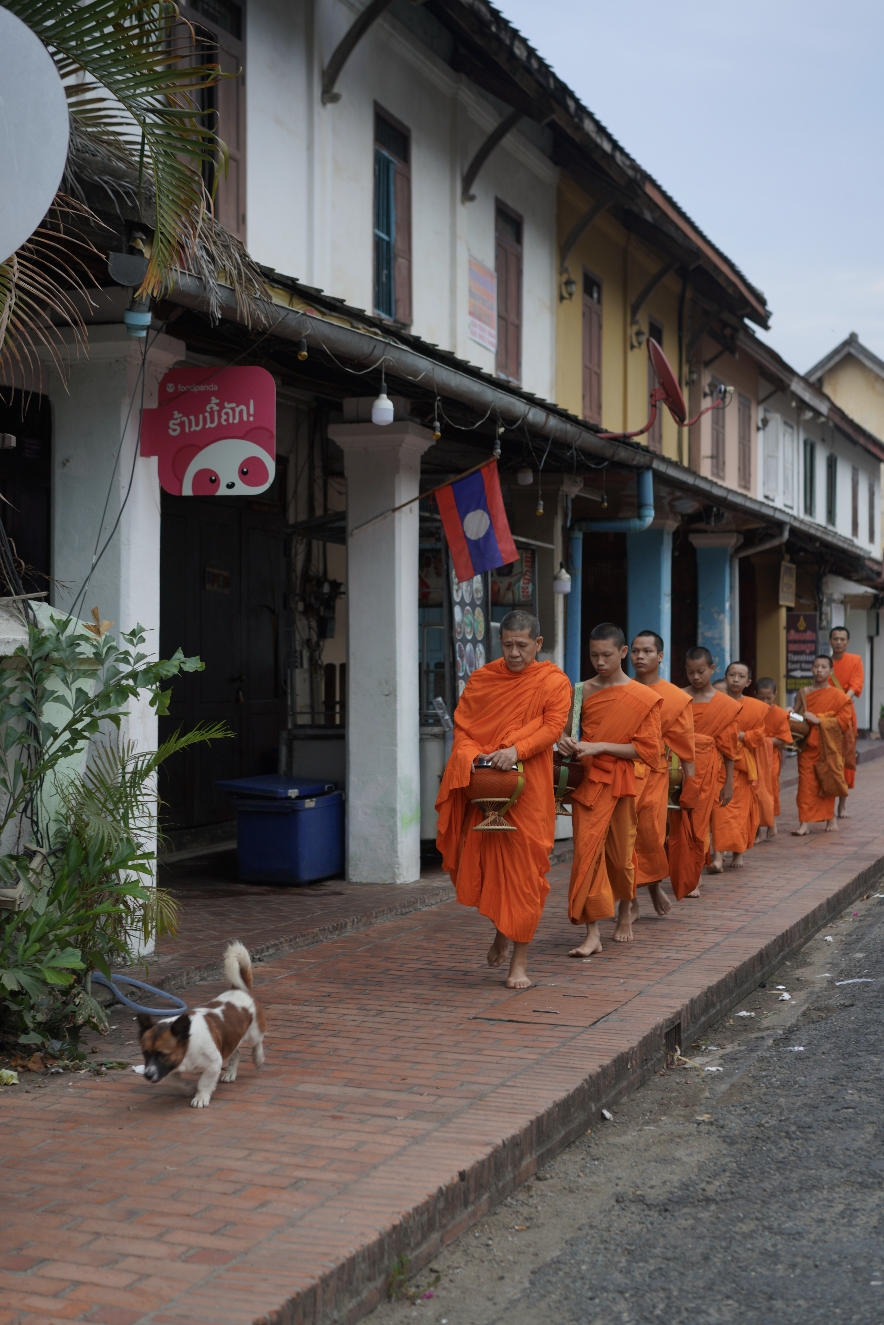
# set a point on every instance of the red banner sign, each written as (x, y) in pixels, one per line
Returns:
(214, 433)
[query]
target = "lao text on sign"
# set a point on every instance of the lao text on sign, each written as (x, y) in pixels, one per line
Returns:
(801, 648)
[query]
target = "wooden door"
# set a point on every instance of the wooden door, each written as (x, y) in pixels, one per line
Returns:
(592, 349)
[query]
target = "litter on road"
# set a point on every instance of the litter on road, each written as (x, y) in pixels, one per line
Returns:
(860, 980)
(608, 1116)
(785, 998)
(745, 1014)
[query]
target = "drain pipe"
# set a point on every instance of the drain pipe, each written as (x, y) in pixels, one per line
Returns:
(776, 540)
(644, 483)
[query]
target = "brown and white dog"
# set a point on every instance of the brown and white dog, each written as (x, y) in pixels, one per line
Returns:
(204, 1039)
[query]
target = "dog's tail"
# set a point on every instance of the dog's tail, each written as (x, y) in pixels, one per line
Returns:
(238, 967)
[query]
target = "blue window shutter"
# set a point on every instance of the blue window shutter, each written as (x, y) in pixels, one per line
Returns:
(384, 233)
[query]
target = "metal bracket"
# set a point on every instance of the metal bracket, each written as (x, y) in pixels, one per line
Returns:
(641, 299)
(578, 228)
(496, 136)
(346, 46)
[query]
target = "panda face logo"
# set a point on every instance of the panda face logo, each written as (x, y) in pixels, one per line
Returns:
(231, 467)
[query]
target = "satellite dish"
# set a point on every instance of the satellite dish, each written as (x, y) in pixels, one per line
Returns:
(34, 132)
(672, 397)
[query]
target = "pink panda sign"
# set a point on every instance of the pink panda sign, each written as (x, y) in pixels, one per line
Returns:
(213, 432)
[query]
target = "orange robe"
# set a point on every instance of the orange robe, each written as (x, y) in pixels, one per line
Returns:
(603, 806)
(777, 726)
(504, 874)
(716, 729)
(677, 728)
(851, 676)
(813, 807)
(734, 826)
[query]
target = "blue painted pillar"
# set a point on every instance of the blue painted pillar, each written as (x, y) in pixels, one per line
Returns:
(715, 594)
(574, 608)
(649, 587)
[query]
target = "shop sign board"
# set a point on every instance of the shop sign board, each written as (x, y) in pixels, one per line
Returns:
(213, 431)
(801, 648)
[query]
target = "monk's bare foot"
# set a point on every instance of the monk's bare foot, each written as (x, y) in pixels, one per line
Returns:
(771, 833)
(498, 950)
(832, 824)
(801, 831)
(659, 899)
(591, 944)
(717, 866)
(623, 928)
(518, 976)
(736, 861)
(842, 809)
(695, 893)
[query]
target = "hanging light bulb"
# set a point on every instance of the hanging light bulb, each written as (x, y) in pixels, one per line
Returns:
(561, 580)
(539, 510)
(437, 430)
(382, 408)
(302, 349)
(525, 477)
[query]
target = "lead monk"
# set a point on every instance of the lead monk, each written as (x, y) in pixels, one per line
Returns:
(512, 710)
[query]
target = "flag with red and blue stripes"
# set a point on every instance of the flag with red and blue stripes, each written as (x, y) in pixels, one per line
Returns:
(475, 523)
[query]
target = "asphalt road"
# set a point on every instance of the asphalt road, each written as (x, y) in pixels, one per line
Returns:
(754, 1193)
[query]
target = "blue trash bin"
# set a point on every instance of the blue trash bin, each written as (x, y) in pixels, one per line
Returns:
(288, 830)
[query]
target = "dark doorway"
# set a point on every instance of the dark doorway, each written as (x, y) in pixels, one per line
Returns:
(604, 587)
(26, 484)
(222, 577)
(684, 607)
(748, 616)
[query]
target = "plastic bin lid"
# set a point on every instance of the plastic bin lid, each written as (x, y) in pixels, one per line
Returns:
(275, 785)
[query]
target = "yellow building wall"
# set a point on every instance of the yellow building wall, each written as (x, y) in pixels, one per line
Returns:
(623, 265)
(859, 392)
(742, 375)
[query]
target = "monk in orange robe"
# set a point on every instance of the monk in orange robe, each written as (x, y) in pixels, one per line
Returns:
(677, 728)
(512, 710)
(779, 733)
(823, 706)
(620, 723)
(716, 729)
(734, 826)
(848, 674)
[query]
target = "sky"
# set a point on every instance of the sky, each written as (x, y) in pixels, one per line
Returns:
(764, 119)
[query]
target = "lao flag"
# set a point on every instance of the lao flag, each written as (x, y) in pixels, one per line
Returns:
(475, 523)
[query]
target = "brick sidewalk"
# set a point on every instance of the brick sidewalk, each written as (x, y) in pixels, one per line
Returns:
(405, 1091)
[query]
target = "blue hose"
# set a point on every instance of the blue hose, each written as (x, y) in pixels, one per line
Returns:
(177, 1005)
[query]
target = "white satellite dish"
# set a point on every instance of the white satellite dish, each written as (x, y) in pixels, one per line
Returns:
(34, 132)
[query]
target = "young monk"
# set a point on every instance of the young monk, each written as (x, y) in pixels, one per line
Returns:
(829, 713)
(779, 733)
(735, 825)
(716, 730)
(512, 709)
(620, 722)
(848, 674)
(677, 728)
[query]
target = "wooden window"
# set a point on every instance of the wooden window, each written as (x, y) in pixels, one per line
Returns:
(810, 477)
(220, 30)
(655, 432)
(771, 473)
(744, 453)
(716, 419)
(788, 464)
(392, 219)
(831, 489)
(872, 508)
(592, 349)
(508, 262)
(854, 502)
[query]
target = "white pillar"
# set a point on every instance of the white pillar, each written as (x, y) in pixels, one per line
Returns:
(382, 466)
(95, 440)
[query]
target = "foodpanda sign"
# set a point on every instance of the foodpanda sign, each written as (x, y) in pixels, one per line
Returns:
(213, 432)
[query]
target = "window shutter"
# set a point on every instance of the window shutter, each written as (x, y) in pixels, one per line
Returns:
(854, 502)
(592, 349)
(872, 520)
(810, 477)
(402, 245)
(718, 438)
(655, 432)
(744, 455)
(509, 295)
(788, 464)
(384, 224)
(771, 457)
(230, 198)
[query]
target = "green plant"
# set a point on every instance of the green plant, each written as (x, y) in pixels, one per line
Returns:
(136, 77)
(88, 803)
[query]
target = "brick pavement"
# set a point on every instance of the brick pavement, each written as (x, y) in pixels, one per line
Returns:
(405, 1091)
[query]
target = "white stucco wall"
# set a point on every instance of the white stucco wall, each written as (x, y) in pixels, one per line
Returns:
(310, 175)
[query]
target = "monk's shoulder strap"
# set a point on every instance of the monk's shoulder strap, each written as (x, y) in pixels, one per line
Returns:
(517, 790)
(836, 683)
(560, 775)
(578, 709)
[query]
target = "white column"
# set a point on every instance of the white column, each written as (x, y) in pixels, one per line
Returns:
(382, 466)
(94, 458)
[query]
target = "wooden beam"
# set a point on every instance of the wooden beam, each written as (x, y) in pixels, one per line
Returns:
(496, 136)
(641, 299)
(346, 46)
(578, 228)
